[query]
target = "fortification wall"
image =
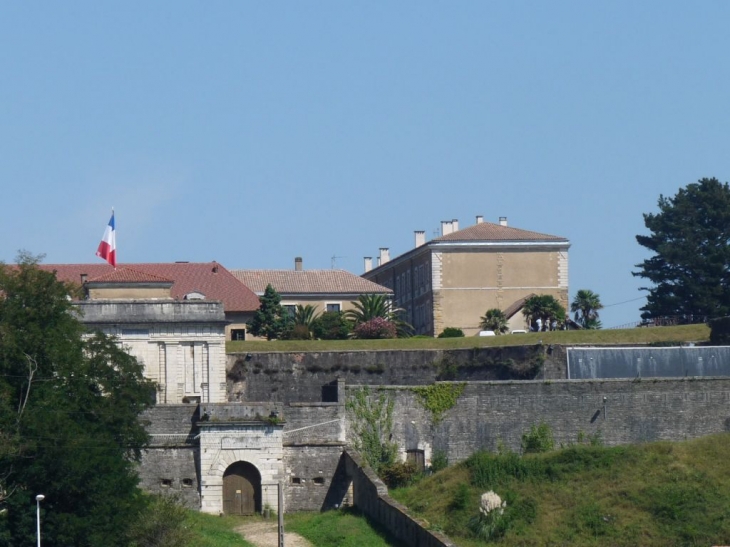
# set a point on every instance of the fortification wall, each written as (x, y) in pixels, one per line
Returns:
(298, 377)
(489, 413)
(170, 463)
(370, 495)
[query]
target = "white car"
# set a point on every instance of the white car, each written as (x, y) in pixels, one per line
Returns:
(486, 333)
(519, 331)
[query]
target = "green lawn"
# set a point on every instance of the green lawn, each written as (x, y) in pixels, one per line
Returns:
(659, 494)
(648, 335)
(344, 528)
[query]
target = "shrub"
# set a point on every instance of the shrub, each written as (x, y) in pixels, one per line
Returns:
(461, 497)
(331, 325)
(439, 461)
(398, 474)
(377, 328)
(538, 439)
(297, 332)
(720, 331)
(451, 332)
(161, 524)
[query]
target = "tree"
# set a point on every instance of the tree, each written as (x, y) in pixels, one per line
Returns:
(331, 325)
(271, 319)
(300, 323)
(585, 305)
(494, 320)
(690, 267)
(369, 306)
(544, 308)
(69, 418)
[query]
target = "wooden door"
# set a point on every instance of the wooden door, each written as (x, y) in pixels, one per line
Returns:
(241, 489)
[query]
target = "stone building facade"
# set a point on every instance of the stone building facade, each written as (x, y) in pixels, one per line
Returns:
(452, 280)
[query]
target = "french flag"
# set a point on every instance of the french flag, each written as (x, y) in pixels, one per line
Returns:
(108, 246)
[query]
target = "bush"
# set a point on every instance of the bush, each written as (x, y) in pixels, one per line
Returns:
(451, 332)
(720, 331)
(161, 524)
(439, 461)
(331, 325)
(398, 474)
(375, 329)
(297, 332)
(538, 439)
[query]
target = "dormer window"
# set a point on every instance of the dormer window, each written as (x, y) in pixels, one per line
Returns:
(194, 296)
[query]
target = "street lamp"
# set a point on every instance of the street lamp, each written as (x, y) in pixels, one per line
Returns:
(38, 499)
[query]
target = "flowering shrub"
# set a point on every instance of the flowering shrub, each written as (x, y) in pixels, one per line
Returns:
(375, 328)
(488, 524)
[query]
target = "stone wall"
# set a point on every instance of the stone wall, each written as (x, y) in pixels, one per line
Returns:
(170, 463)
(371, 497)
(298, 377)
(314, 438)
(616, 411)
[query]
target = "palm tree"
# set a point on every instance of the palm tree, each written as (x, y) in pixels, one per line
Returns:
(494, 320)
(545, 308)
(586, 305)
(305, 315)
(369, 306)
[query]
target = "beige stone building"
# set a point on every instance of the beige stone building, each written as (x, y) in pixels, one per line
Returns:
(452, 280)
(326, 290)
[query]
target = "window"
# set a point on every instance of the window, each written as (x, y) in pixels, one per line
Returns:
(319, 480)
(296, 480)
(166, 483)
(291, 309)
(187, 483)
(238, 334)
(332, 306)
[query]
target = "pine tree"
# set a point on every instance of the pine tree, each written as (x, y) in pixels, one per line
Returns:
(271, 318)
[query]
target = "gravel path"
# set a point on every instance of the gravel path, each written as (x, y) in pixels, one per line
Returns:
(265, 534)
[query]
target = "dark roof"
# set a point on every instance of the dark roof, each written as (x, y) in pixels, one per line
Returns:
(517, 305)
(308, 282)
(488, 231)
(208, 278)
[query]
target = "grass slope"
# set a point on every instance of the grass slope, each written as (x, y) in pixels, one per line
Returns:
(214, 531)
(343, 528)
(658, 494)
(652, 335)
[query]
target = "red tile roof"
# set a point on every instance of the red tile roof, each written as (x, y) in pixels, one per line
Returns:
(129, 275)
(487, 231)
(308, 282)
(208, 278)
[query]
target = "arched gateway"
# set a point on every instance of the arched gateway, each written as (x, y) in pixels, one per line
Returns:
(241, 489)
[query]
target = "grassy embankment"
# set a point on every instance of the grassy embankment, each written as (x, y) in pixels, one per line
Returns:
(658, 494)
(635, 336)
(330, 529)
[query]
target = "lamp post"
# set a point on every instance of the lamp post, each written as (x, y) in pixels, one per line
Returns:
(38, 499)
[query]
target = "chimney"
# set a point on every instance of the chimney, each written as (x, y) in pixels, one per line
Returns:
(298, 264)
(420, 237)
(384, 256)
(503, 221)
(480, 219)
(455, 225)
(84, 277)
(368, 263)
(446, 227)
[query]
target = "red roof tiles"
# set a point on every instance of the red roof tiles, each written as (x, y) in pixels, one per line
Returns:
(208, 278)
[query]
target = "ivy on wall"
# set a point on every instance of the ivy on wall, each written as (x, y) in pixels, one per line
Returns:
(438, 398)
(371, 426)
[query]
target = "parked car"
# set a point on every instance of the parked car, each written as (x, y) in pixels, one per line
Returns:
(486, 333)
(519, 331)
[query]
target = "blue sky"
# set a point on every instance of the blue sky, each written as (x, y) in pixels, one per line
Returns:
(253, 132)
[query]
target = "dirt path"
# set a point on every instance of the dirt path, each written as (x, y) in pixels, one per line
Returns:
(265, 534)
